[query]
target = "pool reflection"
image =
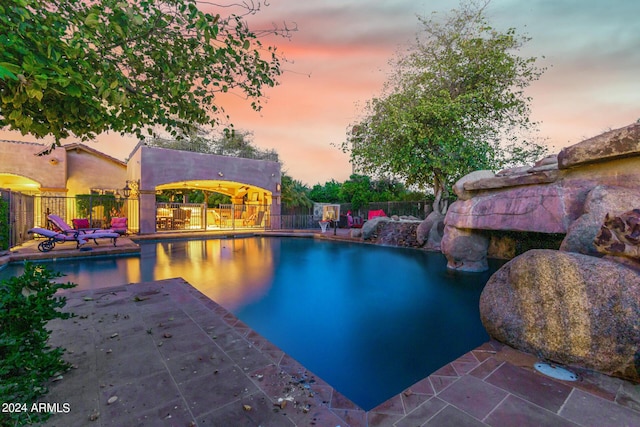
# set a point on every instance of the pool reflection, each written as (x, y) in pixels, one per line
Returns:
(232, 272)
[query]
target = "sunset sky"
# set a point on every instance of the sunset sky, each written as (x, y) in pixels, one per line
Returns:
(338, 59)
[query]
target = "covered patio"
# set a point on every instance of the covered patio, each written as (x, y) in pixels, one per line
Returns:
(249, 206)
(252, 187)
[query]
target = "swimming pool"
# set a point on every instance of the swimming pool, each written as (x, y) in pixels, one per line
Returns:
(369, 320)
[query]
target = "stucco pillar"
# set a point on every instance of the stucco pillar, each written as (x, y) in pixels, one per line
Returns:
(275, 213)
(147, 212)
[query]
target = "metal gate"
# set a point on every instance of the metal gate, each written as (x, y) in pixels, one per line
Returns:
(21, 209)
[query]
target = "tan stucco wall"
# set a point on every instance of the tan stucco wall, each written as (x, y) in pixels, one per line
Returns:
(87, 170)
(20, 158)
(162, 166)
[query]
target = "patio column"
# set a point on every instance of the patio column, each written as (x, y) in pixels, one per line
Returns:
(147, 212)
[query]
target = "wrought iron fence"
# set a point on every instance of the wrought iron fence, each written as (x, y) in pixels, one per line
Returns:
(303, 218)
(192, 216)
(295, 218)
(97, 208)
(418, 209)
(26, 212)
(294, 222)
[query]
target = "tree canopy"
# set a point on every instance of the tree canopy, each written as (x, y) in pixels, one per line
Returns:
(359, 190)
(294, 193)
(454, 103)
(236, 143)
(81, 67)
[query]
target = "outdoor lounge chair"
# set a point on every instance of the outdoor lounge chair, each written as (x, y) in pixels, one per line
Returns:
(62, 226)
(249, 221)
(77, 236)
(79, 224)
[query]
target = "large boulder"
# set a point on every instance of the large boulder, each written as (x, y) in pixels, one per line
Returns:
(600, 201)
(370, 228)
(542, 209)
(619, 238)
(568, 308)
(465, 250)
(458, 187)
(615, 144)
(430, 231)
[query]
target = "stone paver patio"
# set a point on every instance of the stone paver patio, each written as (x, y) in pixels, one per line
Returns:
(173, 357)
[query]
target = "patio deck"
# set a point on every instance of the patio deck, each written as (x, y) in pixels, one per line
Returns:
(173, 357)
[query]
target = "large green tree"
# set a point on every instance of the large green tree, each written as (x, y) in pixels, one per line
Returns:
(295, 194)
(455, 103)
(81, 67)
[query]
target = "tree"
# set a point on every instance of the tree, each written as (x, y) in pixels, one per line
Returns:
(81, 67)
(327, 193)
(240, 144)
(295, 193)
(454, 104)
(236, 143)
(357, 190)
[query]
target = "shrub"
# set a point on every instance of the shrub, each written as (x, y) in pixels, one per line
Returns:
(27, 362)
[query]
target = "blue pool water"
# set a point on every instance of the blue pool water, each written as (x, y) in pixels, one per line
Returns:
(369, 320)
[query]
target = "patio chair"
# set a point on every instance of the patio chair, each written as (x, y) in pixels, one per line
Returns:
(181, 218)
(77, 236)
(251, 220)
(119, 225)
(213, 218)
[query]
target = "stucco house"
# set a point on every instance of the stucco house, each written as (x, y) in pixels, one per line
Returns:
(76, 170)
(67, 171)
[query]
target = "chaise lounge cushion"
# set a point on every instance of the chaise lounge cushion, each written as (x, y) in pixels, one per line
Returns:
(119, 225)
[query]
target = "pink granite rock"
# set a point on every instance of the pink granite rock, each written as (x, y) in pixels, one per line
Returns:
(430, 231)
(600, 201)
(528, 208)
(465, 250)
(619, 238)
(568, 308)
(458, 187)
